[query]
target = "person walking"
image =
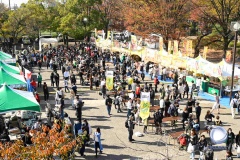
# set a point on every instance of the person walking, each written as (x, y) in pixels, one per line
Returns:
(56, 78)
(52, 79)
(97, 141)
(202, 144)
(58, 96)
(234, 104)
(216, 105)
(39, 79)
(62, 108)
(130, 129)
(65, 82)
(129, 107)
(45, 91)
(108, 103)
(238, 143)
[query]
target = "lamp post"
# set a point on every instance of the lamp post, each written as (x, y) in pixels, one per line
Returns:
(85, 20)
(235, 26)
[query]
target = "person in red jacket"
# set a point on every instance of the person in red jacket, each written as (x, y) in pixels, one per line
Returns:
(34, 84)
(156, 82)
(37, 97)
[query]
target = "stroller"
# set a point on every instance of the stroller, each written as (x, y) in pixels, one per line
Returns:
(183, 140)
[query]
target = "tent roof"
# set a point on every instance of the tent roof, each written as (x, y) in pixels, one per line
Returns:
(12, 100)
(48, 40)
(9, 68)
(5, 54)
(10, 78)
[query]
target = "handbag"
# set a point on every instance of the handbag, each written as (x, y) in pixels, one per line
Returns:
(190, 148)
(100, 93)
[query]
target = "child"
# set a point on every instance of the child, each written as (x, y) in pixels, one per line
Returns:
(195, 125)
(217, 122)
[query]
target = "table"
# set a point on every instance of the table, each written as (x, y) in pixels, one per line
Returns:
(14, 137)
(171, 119)
(233, 91)
(154, 108)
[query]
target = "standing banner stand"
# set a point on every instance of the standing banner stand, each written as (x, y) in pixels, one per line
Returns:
(144, 109)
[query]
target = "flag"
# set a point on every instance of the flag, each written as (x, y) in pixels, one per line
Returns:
(175, 47)
(145, 105)
(205, 50)
(169, 47)
(108, 34)
(161, 44)
(109, 80)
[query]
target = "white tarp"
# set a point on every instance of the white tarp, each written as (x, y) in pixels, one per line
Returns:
(227, 70)
(47, 41)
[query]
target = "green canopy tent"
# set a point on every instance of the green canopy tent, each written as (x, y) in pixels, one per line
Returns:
(11, 78)
(10, 68)
(5, 56)
(13, 100)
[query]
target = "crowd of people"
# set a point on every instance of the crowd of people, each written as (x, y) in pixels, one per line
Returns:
(85, 64)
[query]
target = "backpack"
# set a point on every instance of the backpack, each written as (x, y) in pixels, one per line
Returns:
(158, 117)
(68, 68)
(126, 124)
(172, 111)
(183, 140)
(137, 90)
(234, 105)
(209, 154)
(152, 95)
(116, 101)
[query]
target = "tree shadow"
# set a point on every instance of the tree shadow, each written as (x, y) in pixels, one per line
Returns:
(102, 127)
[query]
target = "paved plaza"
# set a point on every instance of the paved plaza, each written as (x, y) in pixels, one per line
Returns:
(115, 135)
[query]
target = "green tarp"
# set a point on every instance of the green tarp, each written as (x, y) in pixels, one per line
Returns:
(13, 100)
(9, 68)
(11, 78)
(4, 56)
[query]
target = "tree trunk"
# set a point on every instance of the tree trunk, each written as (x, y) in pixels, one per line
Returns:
(225, 46)
(106, 30)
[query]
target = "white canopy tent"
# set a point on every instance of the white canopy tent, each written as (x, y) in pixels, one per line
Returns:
(47, 41)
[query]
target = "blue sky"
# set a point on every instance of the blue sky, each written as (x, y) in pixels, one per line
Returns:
(12, 2)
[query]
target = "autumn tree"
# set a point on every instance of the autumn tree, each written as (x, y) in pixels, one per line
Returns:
(109, 14)
(220, 13)
(165, 17)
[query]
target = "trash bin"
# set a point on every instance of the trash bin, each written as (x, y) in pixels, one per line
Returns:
(205, 86)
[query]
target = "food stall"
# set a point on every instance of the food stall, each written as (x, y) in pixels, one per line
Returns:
(13, 80)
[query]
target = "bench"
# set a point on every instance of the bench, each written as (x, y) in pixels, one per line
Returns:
(175, 135)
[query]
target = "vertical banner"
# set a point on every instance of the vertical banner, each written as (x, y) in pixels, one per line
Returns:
(160, 44)
(95, 32)
(103, 34)
(169, 47)
(189, 50)
(109, 80)
(133, 42)
(145, 105)
(108, 34)
(205, 50)
(228, 56)
(175, 47)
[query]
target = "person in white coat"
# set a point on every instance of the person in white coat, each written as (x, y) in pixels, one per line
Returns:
(234, 104)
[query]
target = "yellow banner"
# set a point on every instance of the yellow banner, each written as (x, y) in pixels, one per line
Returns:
(109, 80)
(169, 47)
(144, 109)
(189, 50)
(205, 50)
(95, 32)
(108, 34)
(228, 56)
(161, 44)
(175, 48)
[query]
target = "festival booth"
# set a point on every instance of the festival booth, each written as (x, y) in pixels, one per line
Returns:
(215, 77)
(13, 80)
(20, 108)
(10, 68)
(7, 58)
(46, 42)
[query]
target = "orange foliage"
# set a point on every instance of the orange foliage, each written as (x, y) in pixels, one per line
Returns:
(46, 144)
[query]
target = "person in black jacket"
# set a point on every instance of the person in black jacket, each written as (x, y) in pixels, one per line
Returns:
(45, 91)
(238, 142)
(230, 140)
(198, 110)
(202, 144)
(193, 141)
(185, 115)
(158, 116)
(108, 104)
